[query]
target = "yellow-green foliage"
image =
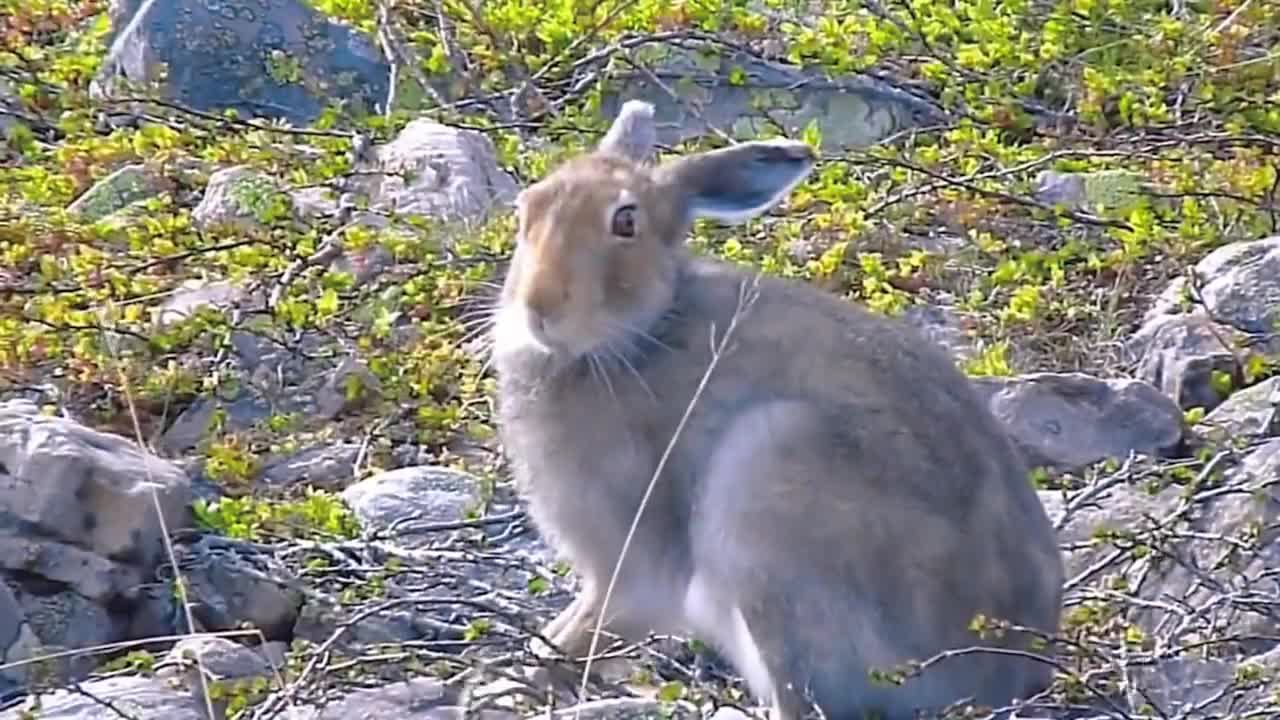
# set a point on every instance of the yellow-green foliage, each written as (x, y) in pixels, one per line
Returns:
(1185, 103)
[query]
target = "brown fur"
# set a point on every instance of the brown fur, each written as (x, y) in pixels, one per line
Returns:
(839, 485)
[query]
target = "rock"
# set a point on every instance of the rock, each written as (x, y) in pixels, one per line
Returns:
(231, 589)
(314, 203)
(88, 574)
(280, 60)
(10, 111)
(191, 427)
(192, 295)
(156, 613)
(941, 325)
(1179, 354)
(1182, 343)
(212, 668)
(318, 621)
(1104, 189)
(67, 483)
(1191, 686)
(276, 381)
(1240, 285)
(11, 620)
(110, 699)
(620, 709)
(397, 500)
(116, 191)
(366, 263)
(347, 387)
(17, 641)
(322, 466)
(436, 171)
(849, 111)
(422, 698)
(64, 620)
(730, 713)
(1253, 411)
(240, 198)
(1071, 420)
(1205, 555)
(79, 531)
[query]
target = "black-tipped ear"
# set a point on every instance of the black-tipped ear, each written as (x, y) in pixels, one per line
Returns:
(734, 184)
(632, 134)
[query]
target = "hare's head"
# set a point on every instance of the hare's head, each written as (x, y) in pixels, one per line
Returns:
(600, 239)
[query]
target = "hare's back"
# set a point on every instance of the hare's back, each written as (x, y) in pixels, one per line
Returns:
(892, 387)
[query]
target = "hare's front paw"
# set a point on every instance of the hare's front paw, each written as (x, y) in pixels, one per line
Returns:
(560, 663)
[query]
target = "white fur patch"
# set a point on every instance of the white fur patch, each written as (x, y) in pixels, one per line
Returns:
(724, 626)
(511, 331)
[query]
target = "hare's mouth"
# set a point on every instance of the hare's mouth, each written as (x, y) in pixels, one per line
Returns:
(568, 340)
(514, 331)
(518, 330)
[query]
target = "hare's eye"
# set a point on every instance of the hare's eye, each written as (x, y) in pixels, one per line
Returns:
(624, 221)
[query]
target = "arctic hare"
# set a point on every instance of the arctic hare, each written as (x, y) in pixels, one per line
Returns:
(839, 499)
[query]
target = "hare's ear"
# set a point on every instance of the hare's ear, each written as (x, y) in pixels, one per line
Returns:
(736, 183)
(632, 134)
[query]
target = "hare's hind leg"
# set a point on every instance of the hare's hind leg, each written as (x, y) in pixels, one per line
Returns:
(783, 544)
(760, 593)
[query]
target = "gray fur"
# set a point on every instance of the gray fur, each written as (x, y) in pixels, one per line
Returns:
(839, 483)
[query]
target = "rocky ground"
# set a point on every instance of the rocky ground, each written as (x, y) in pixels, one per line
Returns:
(247, 462)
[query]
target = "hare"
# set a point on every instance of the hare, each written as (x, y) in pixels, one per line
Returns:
(838, 500)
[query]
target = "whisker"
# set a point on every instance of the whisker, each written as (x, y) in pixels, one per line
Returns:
(479, 312)
(475, 334)
(474, 323)
(631, 329)
(622, 358)
(604, 374)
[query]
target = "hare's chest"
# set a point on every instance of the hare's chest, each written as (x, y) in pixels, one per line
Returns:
(583, 477)
(568, 454)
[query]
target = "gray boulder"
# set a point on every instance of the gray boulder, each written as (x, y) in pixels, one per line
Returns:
(1233, 314)
(1251, 412)
(280, 59)
(421, 698)
(1195, 687)
(239, 197)
(231, 590)
(79, 493)
(1198, 562)
(17, 641)
(400, 502)
(325, 466)
(1103, 189)
(698, 91)
(436, 171)
(79, 530)
(125, 696)
(116, 191)
(212, 668)
(61, 619)
(1240, 286)
(1070, 420)
(1179, 354)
